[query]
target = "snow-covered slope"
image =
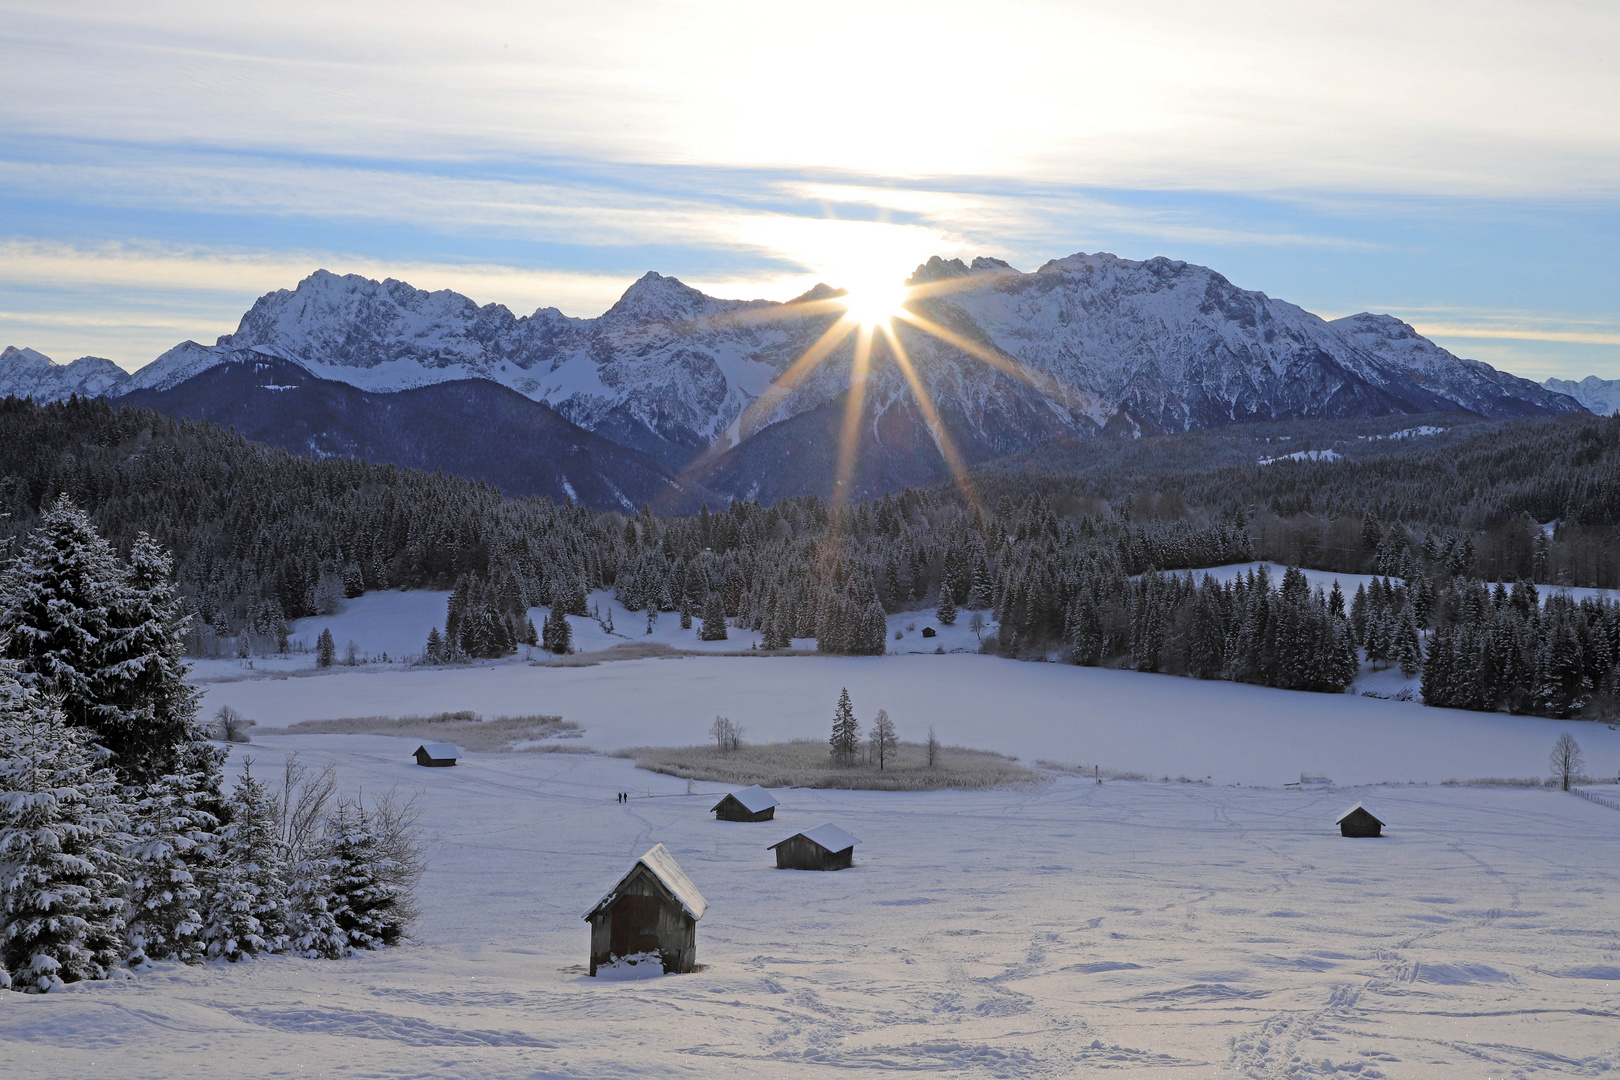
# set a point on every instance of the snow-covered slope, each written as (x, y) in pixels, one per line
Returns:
(1473, 384)
(1601, 396)
(30, 374)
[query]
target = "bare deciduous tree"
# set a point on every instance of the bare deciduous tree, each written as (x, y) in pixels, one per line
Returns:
(884, 740)
(727, 736)
(933, 749)
(1565, 760)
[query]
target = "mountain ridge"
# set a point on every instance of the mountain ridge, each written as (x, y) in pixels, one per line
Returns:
(1086, 344)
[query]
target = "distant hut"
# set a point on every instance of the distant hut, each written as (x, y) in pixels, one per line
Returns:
(929, 631)
(1359, 821)
(437, 755)
(826, 847)
(653, 909)
(749, 804)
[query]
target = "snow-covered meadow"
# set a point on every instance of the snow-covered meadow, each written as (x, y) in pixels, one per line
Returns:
(1172, 929)
(1218, 926)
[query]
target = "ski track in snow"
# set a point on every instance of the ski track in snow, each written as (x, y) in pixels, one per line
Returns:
(1169, 929)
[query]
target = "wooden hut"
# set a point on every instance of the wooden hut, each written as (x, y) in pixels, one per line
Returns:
(749, 804)
(826, 847)
(653, 909)
(1359, 821)
(437, 755)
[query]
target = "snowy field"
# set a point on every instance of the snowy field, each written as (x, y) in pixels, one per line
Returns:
(396, 624)
(1175, 930)
(1157, 725)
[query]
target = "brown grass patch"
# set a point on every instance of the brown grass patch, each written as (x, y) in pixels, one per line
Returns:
(467, 729)
(805, 763)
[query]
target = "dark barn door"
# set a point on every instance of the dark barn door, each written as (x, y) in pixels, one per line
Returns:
(635, 925)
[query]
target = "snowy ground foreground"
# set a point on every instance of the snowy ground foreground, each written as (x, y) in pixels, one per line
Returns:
(1176, 930)
(1153, 724)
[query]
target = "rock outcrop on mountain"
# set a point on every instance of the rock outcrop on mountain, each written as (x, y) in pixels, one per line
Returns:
(30, 374)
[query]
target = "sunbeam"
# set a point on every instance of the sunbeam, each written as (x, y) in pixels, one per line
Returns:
(936, 427)
(851, 435)
(865, 311)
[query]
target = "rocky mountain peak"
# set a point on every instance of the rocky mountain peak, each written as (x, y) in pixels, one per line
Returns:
(656, 297)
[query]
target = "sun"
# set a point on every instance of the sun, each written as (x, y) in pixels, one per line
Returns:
(873, 304)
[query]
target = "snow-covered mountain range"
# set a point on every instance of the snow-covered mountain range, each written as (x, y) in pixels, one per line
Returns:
(1083, 344)
(1601, 396)
(30, 374)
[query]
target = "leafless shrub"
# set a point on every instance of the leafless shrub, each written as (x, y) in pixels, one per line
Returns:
(301, 805)
(395, 822)
(232, 725)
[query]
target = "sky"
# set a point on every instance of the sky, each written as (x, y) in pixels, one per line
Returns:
(164, 164)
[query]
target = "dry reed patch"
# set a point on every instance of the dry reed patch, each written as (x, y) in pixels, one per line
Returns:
(806, 763)
(466, 729)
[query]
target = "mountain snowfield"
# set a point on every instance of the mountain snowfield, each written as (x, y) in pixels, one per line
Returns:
(1155, 345)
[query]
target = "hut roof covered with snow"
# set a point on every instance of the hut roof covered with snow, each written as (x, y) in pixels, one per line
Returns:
(661, 864)
(437, 753)
(825, 847)
(1359, 821)
(749, 804)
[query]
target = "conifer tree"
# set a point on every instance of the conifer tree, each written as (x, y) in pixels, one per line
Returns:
(846, 732)
(1407, 652)
(325, 649)
(248, 905)
(56, 620)
(146, 683)
(365, 904)
(171, 854)
(433, 651)
(714, 617)
(555, 633)
(61, 825)
(946, 611)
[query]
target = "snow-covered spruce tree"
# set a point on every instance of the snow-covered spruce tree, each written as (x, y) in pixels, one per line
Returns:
(433, 651)
(171, 856)
(325, 649)
(61, 831)
(248, 900)
(155, 707)
(365, 904)
(555, 634)
(714, 617)
(56, 619)
(946, 611)
(846, 731)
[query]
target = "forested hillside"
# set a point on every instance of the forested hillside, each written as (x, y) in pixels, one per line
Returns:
(1070, 557)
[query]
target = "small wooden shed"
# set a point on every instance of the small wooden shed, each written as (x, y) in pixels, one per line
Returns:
(1359, 821)
(826, 847)
(653, 909)
(749, 804)
(437, 755)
